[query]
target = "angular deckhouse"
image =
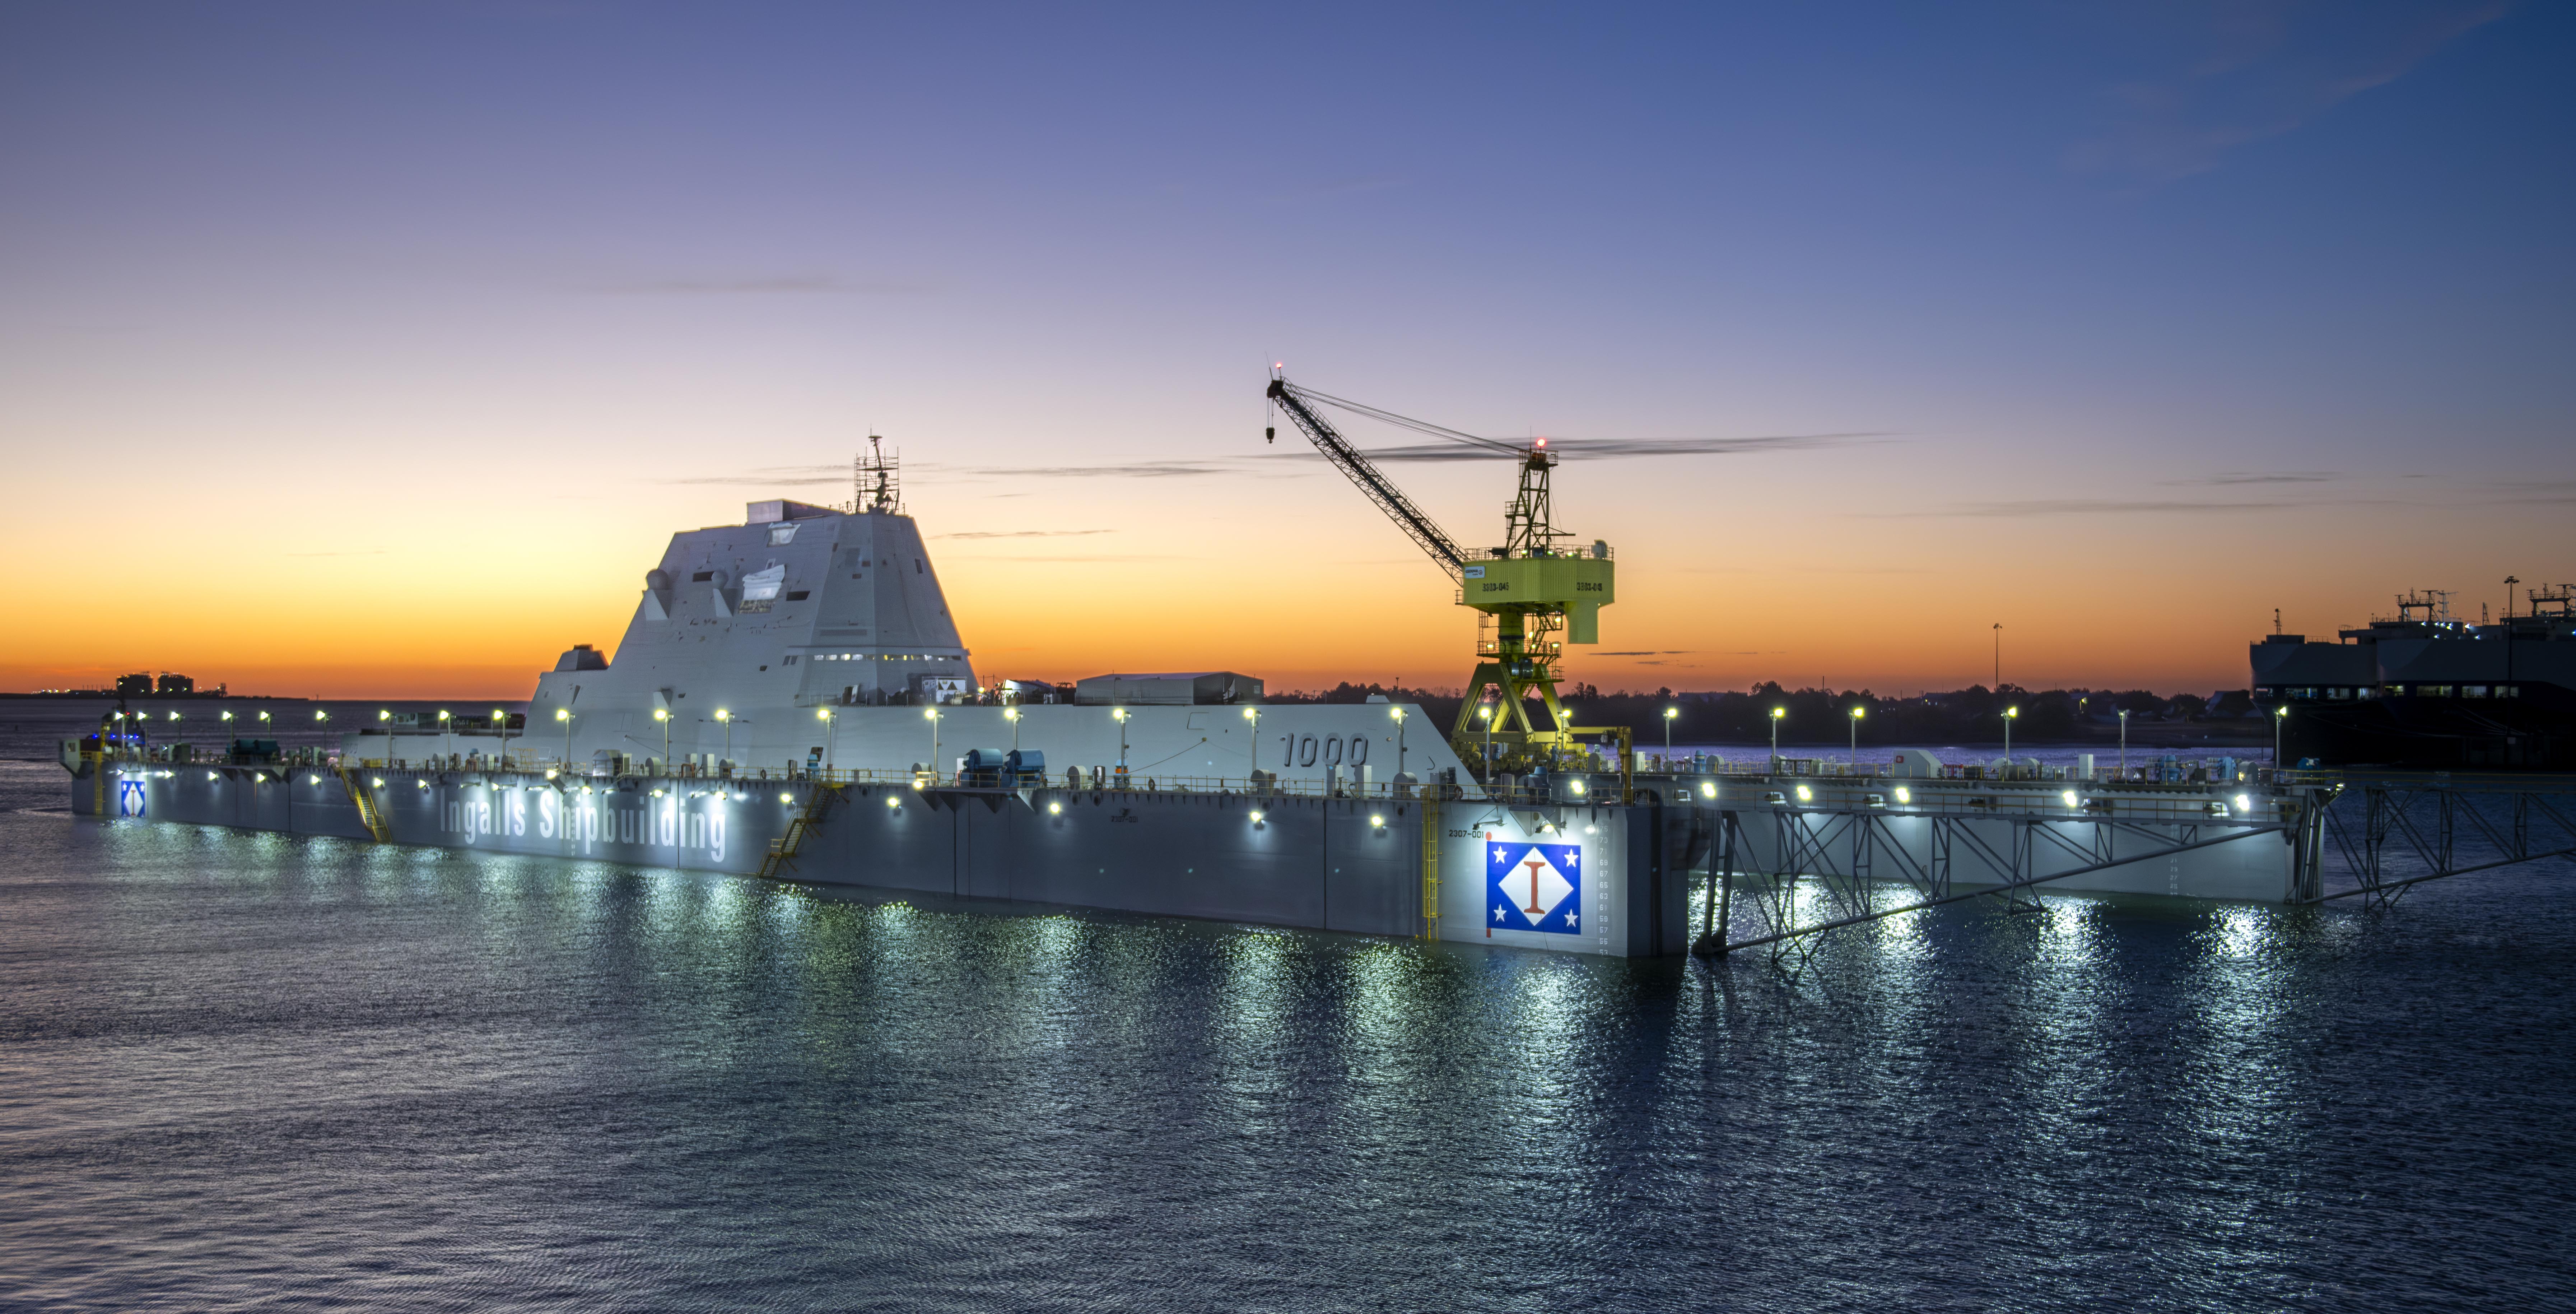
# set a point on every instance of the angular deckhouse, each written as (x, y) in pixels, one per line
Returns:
(808, 635)
(799, 606)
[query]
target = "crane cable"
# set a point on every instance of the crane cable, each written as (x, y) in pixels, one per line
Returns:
(1402, 421)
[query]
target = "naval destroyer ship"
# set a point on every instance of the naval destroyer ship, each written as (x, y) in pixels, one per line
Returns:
(811, 639)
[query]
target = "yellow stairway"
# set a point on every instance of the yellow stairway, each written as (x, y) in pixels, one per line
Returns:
(782, 851)
(1431, 866)
(368, 812)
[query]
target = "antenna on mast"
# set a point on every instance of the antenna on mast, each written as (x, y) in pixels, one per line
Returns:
(876, 480)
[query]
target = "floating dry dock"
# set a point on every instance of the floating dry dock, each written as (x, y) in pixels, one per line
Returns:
(1570, 867)
(792, 699)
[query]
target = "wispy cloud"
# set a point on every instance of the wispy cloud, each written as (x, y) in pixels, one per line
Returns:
(1604, 449)
(1024, 533)
(2103, 506)
(1186, 469)
(1105, 556)
(788, 476)
(774, 476)
(752, 285)
(1344, 186)
(2233, 478)
(2248, 70)
(351, 552)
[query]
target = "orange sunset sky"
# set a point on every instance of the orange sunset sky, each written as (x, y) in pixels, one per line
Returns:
(379, 355)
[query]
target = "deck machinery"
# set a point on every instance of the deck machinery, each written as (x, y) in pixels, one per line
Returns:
(1533, 594)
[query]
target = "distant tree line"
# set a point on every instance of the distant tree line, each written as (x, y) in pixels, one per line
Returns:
(1973, 715)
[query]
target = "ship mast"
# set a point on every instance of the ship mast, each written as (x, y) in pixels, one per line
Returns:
(876, 480)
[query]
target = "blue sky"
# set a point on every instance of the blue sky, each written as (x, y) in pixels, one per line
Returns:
(2072, 310)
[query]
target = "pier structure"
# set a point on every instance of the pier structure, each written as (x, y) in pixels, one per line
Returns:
(1780, 860)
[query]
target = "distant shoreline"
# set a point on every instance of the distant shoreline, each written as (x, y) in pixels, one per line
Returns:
(110, 695)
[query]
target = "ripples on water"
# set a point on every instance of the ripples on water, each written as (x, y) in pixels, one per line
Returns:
(243, 1070)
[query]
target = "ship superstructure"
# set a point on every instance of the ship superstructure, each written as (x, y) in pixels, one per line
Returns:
(2425, 689)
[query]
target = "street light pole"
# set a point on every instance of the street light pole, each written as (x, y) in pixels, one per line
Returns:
(1119, 714)
(725, 719)
(1253, 714)
(1776, 714)
(1669, 714)
(931, 714)
(386, 719)
(1856, 714)
(824, 715)
(564, 714)
(446, 743)
(2124, 743)
(1012, 715)
(2280, 715)
(2010, 715)
(663, 715)
(501, 723)
(1398, 714)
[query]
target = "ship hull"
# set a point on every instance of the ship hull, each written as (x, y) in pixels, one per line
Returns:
(2432, 735)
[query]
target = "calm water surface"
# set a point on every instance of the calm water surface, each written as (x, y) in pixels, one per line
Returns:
(242, 1071)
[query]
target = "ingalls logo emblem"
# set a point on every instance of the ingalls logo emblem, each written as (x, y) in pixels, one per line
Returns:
(1533, 887)
(129, 798)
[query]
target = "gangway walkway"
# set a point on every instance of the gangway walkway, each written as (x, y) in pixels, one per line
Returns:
(1779, 874)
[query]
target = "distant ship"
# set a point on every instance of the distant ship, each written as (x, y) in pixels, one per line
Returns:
(2424, 691)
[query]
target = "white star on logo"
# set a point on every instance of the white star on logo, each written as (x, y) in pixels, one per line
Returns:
(1569, 919)
(1498, 912)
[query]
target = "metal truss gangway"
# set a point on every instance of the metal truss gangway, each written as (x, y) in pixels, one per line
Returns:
(2395, 830)
(1786, 859)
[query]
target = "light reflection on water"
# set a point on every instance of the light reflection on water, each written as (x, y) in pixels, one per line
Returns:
(239, 1070)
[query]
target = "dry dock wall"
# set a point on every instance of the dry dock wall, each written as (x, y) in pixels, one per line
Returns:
(1317, 863)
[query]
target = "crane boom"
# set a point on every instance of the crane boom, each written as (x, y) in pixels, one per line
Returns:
(1363, 472)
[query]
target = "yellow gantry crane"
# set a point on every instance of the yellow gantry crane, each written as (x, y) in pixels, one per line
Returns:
(1533, 594)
